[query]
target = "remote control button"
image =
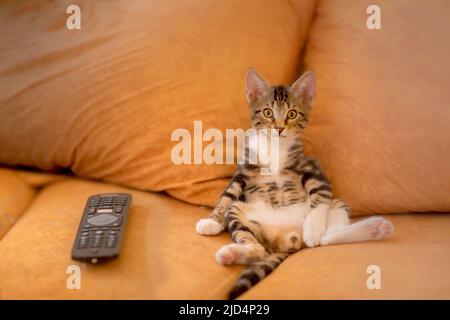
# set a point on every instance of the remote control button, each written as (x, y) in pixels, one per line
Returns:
(112, 232)
(111, 242)
(118, 222)
(84, 242)
(85, 233)
(99, 232)
(119, 209)
(91, 210)
(102, 219)
(98, 242)
(103, 210)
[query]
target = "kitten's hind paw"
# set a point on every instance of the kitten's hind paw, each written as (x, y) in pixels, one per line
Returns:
(379, 228)
(232, 253)
(208, 227)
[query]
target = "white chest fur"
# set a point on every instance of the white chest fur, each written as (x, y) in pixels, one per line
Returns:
(270, 152)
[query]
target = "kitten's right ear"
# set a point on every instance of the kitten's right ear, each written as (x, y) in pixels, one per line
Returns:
(257, 86)
(305, 88)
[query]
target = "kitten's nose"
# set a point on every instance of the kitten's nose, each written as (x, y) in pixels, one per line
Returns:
(279, 129)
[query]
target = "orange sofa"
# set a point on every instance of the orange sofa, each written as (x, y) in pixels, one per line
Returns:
(91, 111)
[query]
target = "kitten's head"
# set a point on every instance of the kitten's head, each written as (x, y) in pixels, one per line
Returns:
(284, 108)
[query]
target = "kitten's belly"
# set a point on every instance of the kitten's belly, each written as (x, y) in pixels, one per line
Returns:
(293, 215)
(281, 190)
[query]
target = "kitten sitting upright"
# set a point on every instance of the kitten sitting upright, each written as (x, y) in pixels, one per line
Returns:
(270, 216)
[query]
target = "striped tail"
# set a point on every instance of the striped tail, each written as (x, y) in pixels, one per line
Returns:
(255, 272)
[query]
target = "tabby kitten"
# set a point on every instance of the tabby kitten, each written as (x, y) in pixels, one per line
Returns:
(270, 216)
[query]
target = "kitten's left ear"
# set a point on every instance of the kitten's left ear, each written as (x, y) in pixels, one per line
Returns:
(305, 88)
(257, 86)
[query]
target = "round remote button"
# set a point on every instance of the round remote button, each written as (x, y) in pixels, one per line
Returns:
(102, 219)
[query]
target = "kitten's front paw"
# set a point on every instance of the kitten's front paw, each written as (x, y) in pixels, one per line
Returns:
(208, 227)
(313, 232)
(232, 253)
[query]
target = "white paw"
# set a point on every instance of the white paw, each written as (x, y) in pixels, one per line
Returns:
(313, 233)
(232, 253)
(379, 228)
(208, 227)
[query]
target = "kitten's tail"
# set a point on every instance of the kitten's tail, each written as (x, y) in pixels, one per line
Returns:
(255, 272)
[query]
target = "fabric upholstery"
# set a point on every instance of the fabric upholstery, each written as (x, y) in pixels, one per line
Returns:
(17, 191)
(105, 99)
(15, 196)
(163, 258)
(413, 265)
(380, 122)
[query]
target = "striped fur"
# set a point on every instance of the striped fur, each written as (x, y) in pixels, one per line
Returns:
(269, 217)
(255, 272)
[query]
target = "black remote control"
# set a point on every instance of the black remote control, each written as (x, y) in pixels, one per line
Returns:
(102, 227)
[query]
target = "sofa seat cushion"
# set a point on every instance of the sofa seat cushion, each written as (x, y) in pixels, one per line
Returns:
(413, 264)
(162, 256)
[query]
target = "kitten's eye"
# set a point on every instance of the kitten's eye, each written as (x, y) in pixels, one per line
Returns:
(292, 114)
(267, 113)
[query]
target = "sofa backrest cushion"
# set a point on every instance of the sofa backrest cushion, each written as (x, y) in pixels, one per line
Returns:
(381, 122)
(104, 100)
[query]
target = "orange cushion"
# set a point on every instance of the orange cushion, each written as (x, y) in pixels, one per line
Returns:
(380, 125)
(161, 256)
(15, 196)
(105, 99)
(413, 265)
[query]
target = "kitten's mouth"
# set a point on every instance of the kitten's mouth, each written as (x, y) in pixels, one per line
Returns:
(275, 133)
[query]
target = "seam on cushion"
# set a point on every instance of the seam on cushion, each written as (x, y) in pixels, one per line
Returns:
(14, 198)
(60, 177)
(36, 191)
(301, 57)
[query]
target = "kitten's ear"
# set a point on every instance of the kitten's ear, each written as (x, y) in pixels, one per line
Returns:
(305, 88)
(257, 86)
